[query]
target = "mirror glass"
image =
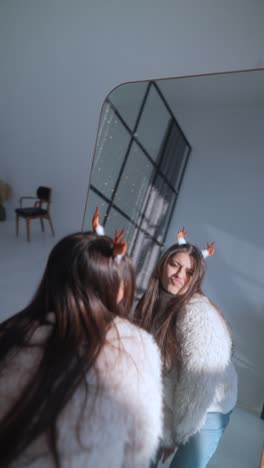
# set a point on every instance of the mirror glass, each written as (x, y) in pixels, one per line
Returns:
(189, 151)
(140, 158)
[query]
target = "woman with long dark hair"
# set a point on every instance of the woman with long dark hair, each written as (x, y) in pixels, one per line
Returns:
(74, 372)
(200, 382)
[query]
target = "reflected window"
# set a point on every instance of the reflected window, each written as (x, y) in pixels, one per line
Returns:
(140, 159)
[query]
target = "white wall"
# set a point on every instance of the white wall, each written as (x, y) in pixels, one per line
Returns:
(59, 59)
(222, 199)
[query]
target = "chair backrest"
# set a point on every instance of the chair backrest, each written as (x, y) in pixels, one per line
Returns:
(44, 194)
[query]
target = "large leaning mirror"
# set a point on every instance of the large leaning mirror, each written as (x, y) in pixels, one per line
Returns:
(189, 151)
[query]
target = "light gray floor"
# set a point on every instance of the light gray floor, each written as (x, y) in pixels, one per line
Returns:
(242, 442)
(22, 264)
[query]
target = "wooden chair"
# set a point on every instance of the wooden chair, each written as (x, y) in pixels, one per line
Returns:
(37, 211)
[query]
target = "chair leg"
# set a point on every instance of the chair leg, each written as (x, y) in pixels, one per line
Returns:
(17, 225)
(28, 229)
(42, 224)
(51, 226)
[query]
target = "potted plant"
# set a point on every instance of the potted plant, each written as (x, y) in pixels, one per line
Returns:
(5, 193)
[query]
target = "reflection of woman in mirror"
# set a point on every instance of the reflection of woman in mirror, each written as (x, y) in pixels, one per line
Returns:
(74, 371)
(200, 382)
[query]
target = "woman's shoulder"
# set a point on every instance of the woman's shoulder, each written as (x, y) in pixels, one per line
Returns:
(128, 362)
(204, 332)
(126, 329)
(127, 344)
(200, 307)
(199, 299)
(134, 339)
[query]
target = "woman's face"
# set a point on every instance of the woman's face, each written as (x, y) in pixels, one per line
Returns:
(177, 273)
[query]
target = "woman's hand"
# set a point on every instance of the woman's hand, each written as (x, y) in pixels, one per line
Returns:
(165, 453)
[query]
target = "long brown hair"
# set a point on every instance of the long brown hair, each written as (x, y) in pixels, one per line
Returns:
(80, 286)
(151, 305)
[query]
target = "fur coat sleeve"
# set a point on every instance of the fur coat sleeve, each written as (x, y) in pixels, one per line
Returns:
(131, 375)
(206, 352)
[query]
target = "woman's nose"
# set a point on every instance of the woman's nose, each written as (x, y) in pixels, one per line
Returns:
(180, 273)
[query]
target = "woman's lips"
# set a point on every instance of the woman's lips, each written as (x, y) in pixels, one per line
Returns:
(177, 281)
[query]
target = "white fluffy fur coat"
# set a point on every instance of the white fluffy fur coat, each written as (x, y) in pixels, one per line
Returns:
(121, 425)
(207, 381)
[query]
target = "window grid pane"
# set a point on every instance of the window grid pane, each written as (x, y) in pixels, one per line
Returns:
(138, 192)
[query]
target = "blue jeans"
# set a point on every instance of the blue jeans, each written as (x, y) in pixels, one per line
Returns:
(200, 448)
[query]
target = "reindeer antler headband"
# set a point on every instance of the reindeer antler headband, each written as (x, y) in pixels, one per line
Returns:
(207, 252)
(96, 224)
(119, 244)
